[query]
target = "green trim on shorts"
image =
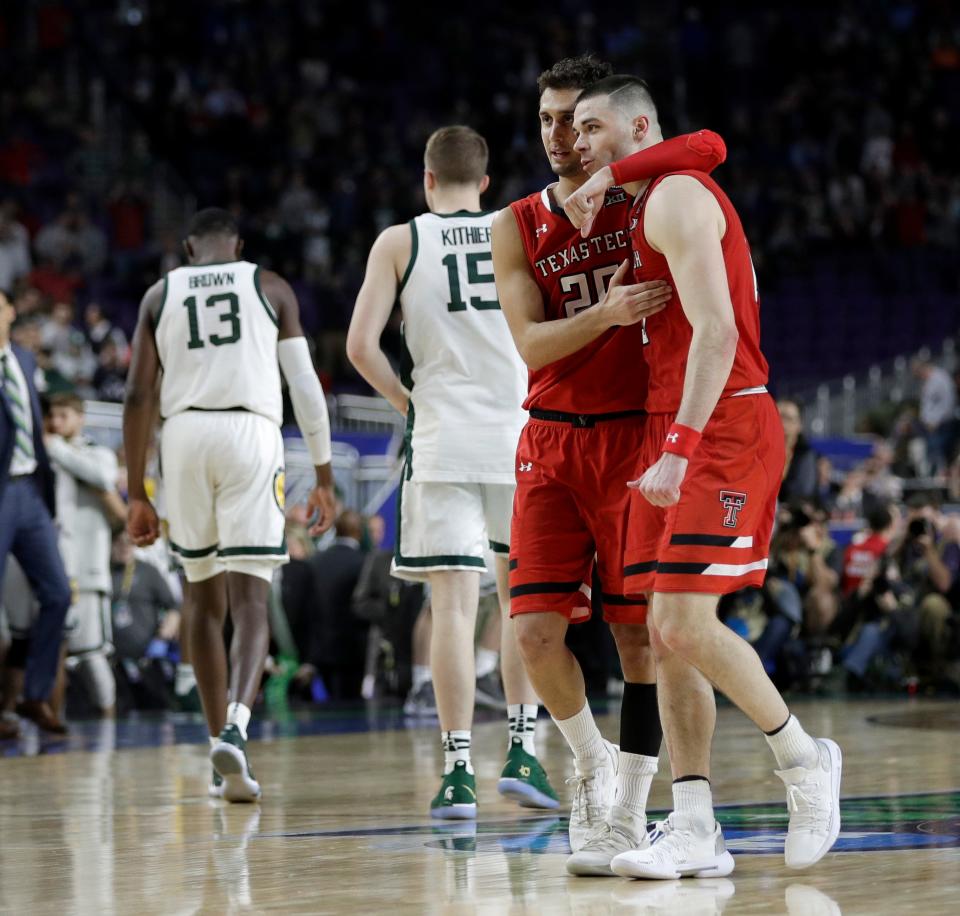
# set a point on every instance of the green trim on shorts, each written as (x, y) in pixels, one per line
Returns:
(253, 551)
(449, 559)
(443, 559)
(497, 547)
(193, 554)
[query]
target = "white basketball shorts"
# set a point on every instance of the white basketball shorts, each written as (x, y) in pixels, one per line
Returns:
(444, 526)
(223, 477)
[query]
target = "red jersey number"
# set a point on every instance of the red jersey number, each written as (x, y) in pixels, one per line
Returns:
(589, 287)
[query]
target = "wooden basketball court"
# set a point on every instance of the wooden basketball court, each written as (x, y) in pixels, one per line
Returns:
(343, 826)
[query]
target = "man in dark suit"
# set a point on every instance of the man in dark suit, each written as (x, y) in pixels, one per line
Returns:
(338, 640)
(26, 521)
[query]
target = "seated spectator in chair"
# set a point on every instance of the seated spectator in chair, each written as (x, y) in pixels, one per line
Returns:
(800, 470)
(801, 588)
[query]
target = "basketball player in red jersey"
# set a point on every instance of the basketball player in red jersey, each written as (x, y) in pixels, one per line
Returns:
(703, 508)
(575, 316)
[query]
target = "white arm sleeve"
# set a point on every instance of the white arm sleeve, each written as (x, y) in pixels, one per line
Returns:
(306, 393)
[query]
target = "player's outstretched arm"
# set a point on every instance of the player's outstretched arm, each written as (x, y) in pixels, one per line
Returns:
(701, 151)
(684, 221)
(375, 301)
(306, 395)
(541, 342)
(140, 417)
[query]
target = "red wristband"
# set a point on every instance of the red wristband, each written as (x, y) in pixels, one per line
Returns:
(682, 441)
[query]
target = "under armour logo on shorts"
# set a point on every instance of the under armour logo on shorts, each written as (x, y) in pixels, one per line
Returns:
(673, 437)
(732, 502)
(528, 466)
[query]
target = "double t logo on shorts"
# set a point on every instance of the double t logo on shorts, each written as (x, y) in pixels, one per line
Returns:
(732, 502)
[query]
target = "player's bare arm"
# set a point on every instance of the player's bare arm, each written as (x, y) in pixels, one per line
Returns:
(541, 342)
(140, 416)
(684, 222)
(703, 151)
(306, 394)
(388, 257)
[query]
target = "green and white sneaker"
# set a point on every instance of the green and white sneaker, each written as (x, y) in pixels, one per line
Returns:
(525, 781)
(229, 759)
(457, 798)
(215, 789)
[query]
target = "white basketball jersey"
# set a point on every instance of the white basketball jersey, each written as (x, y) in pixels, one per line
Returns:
(217, 339)
(467, 380)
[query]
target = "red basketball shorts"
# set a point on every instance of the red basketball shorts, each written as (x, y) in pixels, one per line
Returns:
(716, 539)
(570, 510)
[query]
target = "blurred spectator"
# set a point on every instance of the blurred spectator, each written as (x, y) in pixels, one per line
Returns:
(907, 625)
(801, 587)
(337, 638)
(297, 590)
(800, 470)
(72, 356)
(86, 476)
(99, 329)
(143, 607)
(827, 487)
(110, 378)
(863, 554)
(14, 247)
(71, 243)
(938, 406)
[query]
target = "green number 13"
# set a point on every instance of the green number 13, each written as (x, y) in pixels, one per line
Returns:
(230, 317)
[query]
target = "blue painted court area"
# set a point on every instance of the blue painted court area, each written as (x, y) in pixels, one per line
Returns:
(871, 823)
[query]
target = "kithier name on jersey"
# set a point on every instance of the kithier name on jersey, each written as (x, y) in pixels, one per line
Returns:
(581, 250)
(466, 235)
(211, 279)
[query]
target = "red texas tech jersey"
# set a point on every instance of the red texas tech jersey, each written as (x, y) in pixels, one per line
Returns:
(609, 374)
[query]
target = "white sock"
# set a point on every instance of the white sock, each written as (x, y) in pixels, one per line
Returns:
(213, 741)
(522, 724)
(793, 747)
(185, 679)
(456, 746)
(694, 798)
(239, 715)
(486, 661)
(583, 736)
(421, 675)
(634, 778)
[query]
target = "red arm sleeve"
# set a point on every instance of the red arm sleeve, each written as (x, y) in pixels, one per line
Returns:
(702, 151)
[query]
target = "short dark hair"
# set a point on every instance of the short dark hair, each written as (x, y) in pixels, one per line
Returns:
(67, 399)
(627, 92)
(213, 221)
(880, 518)
(573, 73)
(457, 154)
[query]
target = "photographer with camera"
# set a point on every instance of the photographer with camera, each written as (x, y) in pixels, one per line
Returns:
(904, 608)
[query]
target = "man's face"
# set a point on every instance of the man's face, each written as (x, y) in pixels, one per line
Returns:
(790, 418)
(7, 314)
(604, 133)
(66, 421)
(557, 133)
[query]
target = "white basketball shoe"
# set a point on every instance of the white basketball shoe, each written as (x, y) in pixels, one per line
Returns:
(682, 848)
(620, 831)
(813, 799)
(593, 795)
